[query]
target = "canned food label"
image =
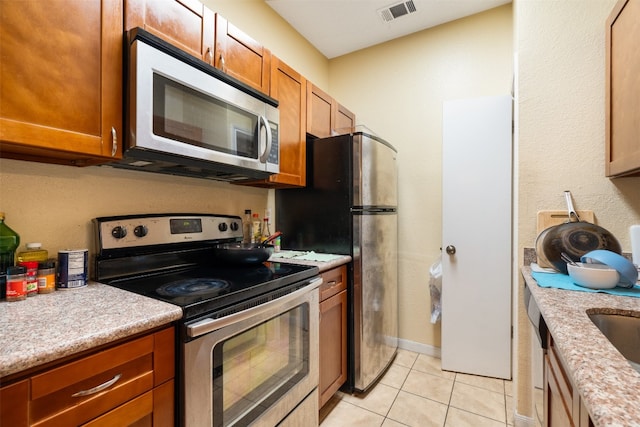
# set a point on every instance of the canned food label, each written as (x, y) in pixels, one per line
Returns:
(72, 270)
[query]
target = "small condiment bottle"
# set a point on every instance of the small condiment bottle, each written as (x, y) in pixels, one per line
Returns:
(265, 230)
(31, 276)
(47, 276)
(256, 228)
(16, 283)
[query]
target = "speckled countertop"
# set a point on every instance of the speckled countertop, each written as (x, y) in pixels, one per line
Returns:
(51, 326)
(609, 386)
(333, 262)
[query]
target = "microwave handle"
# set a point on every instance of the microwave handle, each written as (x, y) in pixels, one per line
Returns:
(262, 121)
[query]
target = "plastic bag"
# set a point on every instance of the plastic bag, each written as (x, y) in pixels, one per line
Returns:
(435, 288)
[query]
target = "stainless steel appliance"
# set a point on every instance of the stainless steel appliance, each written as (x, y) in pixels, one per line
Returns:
(186, 117)
(247, 346)
(539, 347)
(350, 207)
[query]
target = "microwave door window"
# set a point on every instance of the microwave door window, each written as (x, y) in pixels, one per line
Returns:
(191, 117)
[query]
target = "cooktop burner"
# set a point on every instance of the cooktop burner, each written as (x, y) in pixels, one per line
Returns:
(200, 286)
(205, 289)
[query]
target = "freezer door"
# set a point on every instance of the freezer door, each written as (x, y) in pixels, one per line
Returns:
(375, 172)
(375, 301)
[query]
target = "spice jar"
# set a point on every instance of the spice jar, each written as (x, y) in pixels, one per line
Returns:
(16, 283)
(31, 276)
(47, 276)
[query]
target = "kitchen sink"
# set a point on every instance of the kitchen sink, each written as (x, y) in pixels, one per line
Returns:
(623, 331)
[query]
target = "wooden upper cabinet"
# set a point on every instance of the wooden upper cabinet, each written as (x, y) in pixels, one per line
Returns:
(344, 120)
(319, 112)
(186, 24)
(623, 90)
(325, 116)
(240, 56)
(61, 81)
(290, 89)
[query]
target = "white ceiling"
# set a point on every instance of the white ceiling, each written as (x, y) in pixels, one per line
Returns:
(338, 27)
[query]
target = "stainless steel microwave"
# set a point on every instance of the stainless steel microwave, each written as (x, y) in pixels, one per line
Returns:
(185, 117)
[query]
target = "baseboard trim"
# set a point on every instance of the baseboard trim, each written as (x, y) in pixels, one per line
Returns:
(419, 347)
(522, 421)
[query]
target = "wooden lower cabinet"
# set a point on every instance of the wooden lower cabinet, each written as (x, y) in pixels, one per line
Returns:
(129, 384)
(14, 404)
(333, 333)
(562, 402)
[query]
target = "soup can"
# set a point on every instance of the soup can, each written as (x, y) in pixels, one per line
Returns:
(72, 268)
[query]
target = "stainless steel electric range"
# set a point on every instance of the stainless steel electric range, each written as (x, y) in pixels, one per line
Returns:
(247, 346)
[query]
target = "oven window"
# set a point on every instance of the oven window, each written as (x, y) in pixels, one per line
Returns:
(186, 115)
(253, 369)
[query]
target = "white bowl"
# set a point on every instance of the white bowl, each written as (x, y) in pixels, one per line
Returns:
(593, 276)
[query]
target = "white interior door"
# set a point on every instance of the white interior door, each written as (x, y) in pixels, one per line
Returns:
(477, 225)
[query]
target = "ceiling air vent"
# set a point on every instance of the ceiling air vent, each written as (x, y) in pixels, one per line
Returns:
(397, 10)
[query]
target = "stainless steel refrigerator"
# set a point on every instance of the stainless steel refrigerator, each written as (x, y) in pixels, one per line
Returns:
(349, 207)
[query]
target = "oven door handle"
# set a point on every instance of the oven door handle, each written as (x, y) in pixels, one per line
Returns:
(208, 325)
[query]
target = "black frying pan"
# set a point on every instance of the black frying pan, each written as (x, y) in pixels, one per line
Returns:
(575, 238)
(242, 253)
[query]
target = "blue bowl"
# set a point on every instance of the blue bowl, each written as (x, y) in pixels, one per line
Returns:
(626, 269)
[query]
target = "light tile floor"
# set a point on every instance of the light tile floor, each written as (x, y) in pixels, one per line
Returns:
(416, 392)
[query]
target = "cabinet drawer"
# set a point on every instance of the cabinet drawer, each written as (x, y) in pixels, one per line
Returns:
(81, 390)
(333, 281)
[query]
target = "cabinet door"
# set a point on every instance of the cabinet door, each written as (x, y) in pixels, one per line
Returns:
(562, 401)
(344, 120)
(187, 24)
(557, 409)
(319, 112)
(61, 80)
(14, 400)
(333, 345)
(623, 89)
(240, 56)
(289, 88)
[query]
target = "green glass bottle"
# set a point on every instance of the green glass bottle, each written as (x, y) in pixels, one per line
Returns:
(9, 242)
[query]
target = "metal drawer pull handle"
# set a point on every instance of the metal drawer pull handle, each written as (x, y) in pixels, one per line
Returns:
(114, 141)
(98, 388)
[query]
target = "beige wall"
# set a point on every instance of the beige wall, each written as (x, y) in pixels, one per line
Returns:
(260, 22)
(560, 48)
(397, 90)
(54, 204)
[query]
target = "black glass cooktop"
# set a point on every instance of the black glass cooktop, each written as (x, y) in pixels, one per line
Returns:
(200, 290)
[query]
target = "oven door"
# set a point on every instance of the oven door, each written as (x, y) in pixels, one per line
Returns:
(255, 366)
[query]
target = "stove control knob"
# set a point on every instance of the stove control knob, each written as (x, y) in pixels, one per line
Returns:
(234, 226)
(140, 231)
(119, 232)
(222, 226)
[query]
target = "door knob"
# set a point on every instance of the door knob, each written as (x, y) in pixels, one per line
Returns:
(451, 250)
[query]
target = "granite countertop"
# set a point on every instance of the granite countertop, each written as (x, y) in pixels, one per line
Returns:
(48, 327)
(323, 261)
(609, 386)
